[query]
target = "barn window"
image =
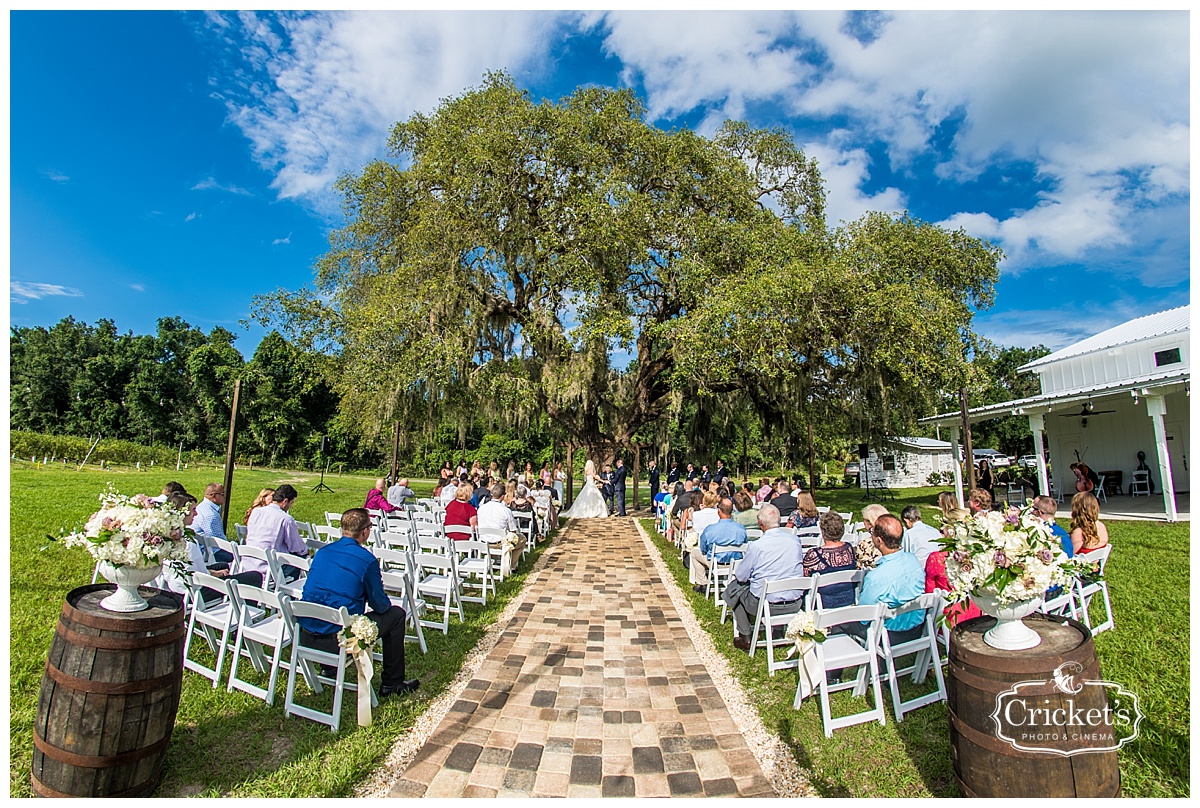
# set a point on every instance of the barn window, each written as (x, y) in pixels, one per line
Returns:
(1167, 357)
(889, 463)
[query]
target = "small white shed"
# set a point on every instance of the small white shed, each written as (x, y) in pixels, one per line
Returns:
(908, 462)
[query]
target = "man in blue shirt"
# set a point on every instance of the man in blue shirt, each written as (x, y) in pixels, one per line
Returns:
(208, 520)
(345, 573)
(774, 556)
(1044, 508)
(896, 579)
(723, 533)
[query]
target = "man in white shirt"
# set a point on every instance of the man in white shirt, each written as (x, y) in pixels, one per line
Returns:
(448, 492)
(495, 514)
(920, 539)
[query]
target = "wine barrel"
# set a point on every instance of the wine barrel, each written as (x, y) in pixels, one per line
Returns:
(109, 696)
(987, 765)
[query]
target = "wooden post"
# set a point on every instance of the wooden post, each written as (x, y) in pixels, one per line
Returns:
(395, 450)
(745, 458)
(812, 463)
(229, 454)
(637, 480)
(968, 452)
(569, 493)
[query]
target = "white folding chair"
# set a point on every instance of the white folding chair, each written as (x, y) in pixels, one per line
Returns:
(1086, 591)
(475, 569)
(1140, 485)
(213, 620)
(840, 651)
(809, 536)
(333, 519)
(494, 538)
(524, 522)
(924, 650)
(233, 548)
(255, 635)
(753, 533)
(270, 577)
(772, 616)
(1062, 604)
(240, 530)
(306, 531)
(435, 576)
(1099, 491)
(1015, 495)
(720, 574)
(822, 509)
(845, 516)
(314, 545)
(397, 569)
(824, 579)
(325, 533)
(295, 588)
(309, 661)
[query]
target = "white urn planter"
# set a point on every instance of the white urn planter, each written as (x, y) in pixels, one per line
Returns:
(1009, 633)
(127, 579)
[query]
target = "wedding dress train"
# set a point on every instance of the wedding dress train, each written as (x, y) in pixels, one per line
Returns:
(589, 504)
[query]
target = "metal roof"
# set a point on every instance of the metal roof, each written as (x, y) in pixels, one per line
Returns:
(1163, 323)
(1043, 403)
(923, 443)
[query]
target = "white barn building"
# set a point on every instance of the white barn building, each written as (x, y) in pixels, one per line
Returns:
(1106, 398)
(908, 462)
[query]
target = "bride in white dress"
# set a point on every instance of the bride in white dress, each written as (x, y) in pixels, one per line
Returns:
(590, 503)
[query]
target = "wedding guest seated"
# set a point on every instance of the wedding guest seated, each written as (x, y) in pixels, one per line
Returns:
(167, 490)
(522, 504)
(707, 513)
(377, 499)
(208, 520)
(1088, 533)
(947, 502)
(920, 539)
(400, 494)
(765, 490)
(1044, 508)
(460, 511)
(834, 555)
(806, 513)
(345, 573)
(262, 500)
(493, 513)
(784, 501)
(896, 579)
(170, 577)
(776, 555)
(935, 574)
(979, 501)
(271, 527)
(449, 489)
(722, 533)
(745, 510)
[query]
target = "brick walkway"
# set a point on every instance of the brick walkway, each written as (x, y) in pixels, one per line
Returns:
(594, 689)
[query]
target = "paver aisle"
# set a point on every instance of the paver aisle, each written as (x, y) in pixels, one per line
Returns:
(594, 689)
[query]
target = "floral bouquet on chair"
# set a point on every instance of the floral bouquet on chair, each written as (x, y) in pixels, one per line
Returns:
(802, 630)
(1004, 561)
(133, 532)
(360, 637)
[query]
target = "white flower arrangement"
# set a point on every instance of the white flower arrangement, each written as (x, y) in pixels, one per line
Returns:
(1010, 555)
(360, 637)
(802, 630)
(866, 555)
(512, 541)
(133, 531)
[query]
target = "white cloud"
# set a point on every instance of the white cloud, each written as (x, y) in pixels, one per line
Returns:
(23, 292)
(844, 173)
(137, 287)
(191, 216)
(56, 176)
(287, 240)
(210, 184)
(324, 89)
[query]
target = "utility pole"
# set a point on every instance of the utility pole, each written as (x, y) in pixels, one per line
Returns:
(230, 454)
(395, 451)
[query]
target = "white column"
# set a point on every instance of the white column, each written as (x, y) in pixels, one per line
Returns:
(957, 452)
(1037, 425)
(1156, 408)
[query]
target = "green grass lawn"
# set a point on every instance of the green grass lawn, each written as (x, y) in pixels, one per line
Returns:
(224, 743)
(1147, 651)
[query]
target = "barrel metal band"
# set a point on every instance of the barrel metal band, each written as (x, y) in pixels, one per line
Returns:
(45, 791)
(98, 761)
(985, 685)
(115, 624)
(112, 688)
(118, 643)
(988, 742)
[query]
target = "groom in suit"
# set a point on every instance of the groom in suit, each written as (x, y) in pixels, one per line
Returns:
(606, 486)
(618, 484)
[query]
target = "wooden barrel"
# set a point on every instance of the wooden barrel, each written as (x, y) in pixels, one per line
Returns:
(109, 696)
(986, 761)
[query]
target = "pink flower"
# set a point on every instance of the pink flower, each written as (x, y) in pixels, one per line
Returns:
(1001, 559)
(1045, 555)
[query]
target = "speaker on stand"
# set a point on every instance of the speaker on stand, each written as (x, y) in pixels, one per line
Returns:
(324, 468)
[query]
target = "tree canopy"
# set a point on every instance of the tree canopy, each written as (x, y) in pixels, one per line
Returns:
(571, 260)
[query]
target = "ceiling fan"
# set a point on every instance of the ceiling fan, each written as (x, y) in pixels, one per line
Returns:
(1085, 412)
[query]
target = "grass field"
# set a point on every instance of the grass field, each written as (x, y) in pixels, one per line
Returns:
(1147, 651)
(261, 753)
(224, 743)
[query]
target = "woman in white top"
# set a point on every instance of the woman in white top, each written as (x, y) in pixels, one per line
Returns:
(560, 477)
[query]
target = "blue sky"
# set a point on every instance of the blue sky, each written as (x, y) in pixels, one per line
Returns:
(167, 163)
